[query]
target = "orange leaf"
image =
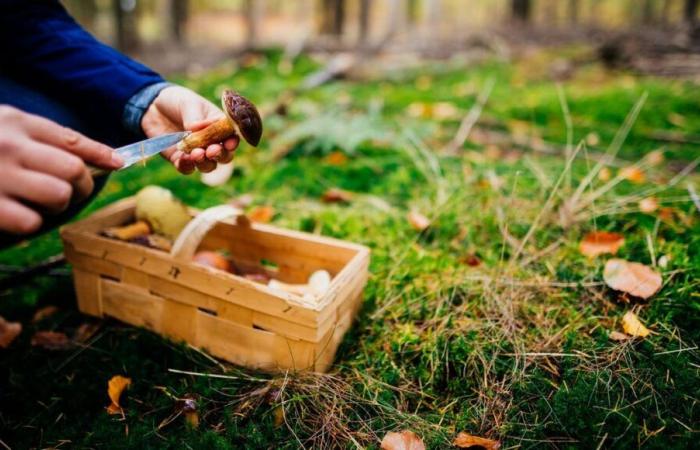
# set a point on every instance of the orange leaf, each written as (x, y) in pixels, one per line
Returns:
(631, 277)
(465, 440)
(337, 159)
(8, 332)
(648, 205)
(632, 173)
(335, 195)
(261, 214)
(115, 387)
(43, 313)
(418, 220)
(51, 340)
(598, 242)
(403, 440)
(632, 325)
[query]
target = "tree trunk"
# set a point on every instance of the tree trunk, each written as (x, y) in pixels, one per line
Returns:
(648, 12)
(573, 12)
(125, 25)
(179, 10)
(364, 21)
(520, 10)
(333, 17)
(412, 12)
(690, 11)
(251, 12)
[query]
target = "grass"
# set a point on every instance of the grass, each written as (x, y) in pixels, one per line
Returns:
(515, 348)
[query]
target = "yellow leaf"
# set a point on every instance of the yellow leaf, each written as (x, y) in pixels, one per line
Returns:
(592, 139)
(418, 221)
(599, 242)
(631, 277)
(115, 387)
(632, 325)
(261, 214)
(466, 440)
(8, 332)
(403, 440)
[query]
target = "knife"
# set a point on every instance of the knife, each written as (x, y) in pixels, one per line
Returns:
(142, 150)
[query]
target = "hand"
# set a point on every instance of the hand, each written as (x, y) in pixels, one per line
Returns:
(42, 168)
(177, 108)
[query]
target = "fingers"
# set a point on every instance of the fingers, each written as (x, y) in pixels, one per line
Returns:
(40, 189)
(60, 164)
(16, 218)
(69, 140)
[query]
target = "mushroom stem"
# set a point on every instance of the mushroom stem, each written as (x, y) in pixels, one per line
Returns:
(216, 132)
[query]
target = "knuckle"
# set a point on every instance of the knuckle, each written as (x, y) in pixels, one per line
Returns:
(8, 112)
(71, 138)
(63, 192)
(74, 168)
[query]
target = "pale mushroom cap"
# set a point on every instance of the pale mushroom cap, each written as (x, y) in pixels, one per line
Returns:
(244, 114)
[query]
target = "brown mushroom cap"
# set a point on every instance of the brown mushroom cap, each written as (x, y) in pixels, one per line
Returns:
(244, 114)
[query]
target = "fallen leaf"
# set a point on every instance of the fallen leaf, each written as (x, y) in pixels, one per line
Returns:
(604, 174)
(599, 242)
(85, 331)
(676, 119)
(667, 213)
(418, 221)
(617, 336)
(445, 111)
(8, 332)
(115, 387)
(655, 157)
(471, 260)
(632, 325)
(632, 173)
(51, 340)
(648, 205)
(261, 214)
(335, 195)
(43, 313)
(466, 440)
(337, 158)
(403, 440)
(278, 416)
(631, 277)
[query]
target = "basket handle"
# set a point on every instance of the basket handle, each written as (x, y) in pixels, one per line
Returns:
(192, 235)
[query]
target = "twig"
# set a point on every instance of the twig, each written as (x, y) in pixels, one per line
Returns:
(468, 122)
(693, 195)
(21, 275)
(215, 375)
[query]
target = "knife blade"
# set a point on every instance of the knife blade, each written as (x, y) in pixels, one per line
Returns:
(139, 151)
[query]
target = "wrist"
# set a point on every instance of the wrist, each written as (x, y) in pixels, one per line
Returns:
(137, 106)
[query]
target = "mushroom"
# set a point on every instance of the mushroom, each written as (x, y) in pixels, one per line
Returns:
(241, 118)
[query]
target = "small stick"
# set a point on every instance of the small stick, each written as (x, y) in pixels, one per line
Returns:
(21, 275)
(470, 119)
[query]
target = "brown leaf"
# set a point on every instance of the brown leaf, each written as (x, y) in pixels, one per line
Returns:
(632, 325)
(599, 242)
(466, 440)
(403, 440)
(335, 195)
(261, 214)
(648, 205)
(617, 336)
(85, 331)
(632, 173)
(471, 260)
(418, 221)
(115, 387)
(337, 159)
(43, 313)
(631, 277)
(51, 340)
(8, 332)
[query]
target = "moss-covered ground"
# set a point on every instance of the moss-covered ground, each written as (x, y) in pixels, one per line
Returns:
(490, 322)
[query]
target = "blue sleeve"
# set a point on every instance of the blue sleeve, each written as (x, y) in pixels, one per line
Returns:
(42, 47)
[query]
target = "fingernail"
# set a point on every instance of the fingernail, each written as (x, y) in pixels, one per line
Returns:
(117, 160)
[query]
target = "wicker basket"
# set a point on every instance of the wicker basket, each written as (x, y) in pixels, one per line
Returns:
(231, 317)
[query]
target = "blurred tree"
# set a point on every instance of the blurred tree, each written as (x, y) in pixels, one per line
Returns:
(690, 11)
(412, 12)
(179, 10)
(124, 11)
(520, 10)
(332, 17)
(573, 11)
(648, 11)
(364, 15)
(252, 14)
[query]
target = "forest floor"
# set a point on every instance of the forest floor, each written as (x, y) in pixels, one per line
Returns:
(490, 321)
